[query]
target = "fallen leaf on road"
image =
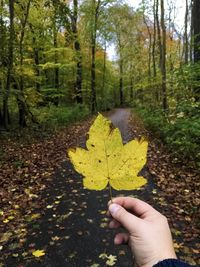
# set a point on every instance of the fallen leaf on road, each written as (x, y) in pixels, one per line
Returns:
(38, 253)
(111, 260)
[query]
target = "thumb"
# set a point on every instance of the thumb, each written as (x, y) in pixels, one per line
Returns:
(128, 220)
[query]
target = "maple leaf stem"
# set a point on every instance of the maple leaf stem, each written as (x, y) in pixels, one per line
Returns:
(110, 191)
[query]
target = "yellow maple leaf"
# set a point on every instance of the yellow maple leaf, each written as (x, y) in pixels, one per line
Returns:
(35, 216)
(38, 253)
(107, 160)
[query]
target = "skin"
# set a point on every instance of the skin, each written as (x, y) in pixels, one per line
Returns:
(147, 231)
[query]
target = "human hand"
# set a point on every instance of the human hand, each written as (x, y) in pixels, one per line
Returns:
(148, 233)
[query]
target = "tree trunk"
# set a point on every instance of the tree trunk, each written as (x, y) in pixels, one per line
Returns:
(158, 32)
(36, 59)
(191, 32)
(131, 86)
(150, 42)
(77, 47)
(5, 115)
(37, 62)
(196, 38)
(163, 62)
(104, 70)
(93, 76)
(154, 51)
(22, 112)
(55, 42)
(196, 30)
(170, 52)
(186, 42)
(20, 96)
(154, 41)
(121, 70)
(56, 69)
(96, 7)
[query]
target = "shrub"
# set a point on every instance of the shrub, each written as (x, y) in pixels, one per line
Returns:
(180, 134)
(53, 116)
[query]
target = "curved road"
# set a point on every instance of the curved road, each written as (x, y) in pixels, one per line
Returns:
(72, 229)
(120, 119)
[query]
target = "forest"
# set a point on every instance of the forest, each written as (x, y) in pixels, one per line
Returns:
(55, 65)
(62, 62)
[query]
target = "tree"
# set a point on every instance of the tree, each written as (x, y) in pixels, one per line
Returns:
(77, 47)
(163, 53)
(55, 43)
(196, 29)
(150, 41)
(154, 40)
(120, 19)
(196, 42)
(95, 11)
(158, 31)
(5, 115)
(186, 41)
(25, 8)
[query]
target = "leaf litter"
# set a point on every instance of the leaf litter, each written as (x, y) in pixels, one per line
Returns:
(31, 165)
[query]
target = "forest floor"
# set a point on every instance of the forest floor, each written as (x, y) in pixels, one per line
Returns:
(48, 219)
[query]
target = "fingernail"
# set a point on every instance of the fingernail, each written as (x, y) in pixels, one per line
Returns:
(114, 208)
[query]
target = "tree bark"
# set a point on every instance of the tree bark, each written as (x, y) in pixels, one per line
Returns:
(163, 62)
(55, 43)
(20, 96)
(196, 30)
(154, 50)
(104, 70)
(154, 41)
(191, 32)
(36, 59)
(196, 40)
(96, 7)
(131, 83)
(150, 42)
(77, 47)
(121, 71)
(121, 95)
(186, 41)
(158, 32)
(37, 62)
(93, 76)
(5, 115)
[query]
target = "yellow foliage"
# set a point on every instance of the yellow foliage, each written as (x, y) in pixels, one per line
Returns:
(107, 160)
(38, 253)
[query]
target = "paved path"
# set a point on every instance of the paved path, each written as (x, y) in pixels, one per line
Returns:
(120, 119)
(72, 228)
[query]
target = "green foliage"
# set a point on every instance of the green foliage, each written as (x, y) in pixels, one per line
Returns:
(183, 136)
(180, 130)
(186, 81)
(54, 117)
(154, 120)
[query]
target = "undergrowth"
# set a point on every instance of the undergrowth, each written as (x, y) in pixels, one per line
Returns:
(49, 119)
(53, 117)
(179, 130)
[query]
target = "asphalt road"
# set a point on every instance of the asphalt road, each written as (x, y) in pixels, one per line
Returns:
(72, 230)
